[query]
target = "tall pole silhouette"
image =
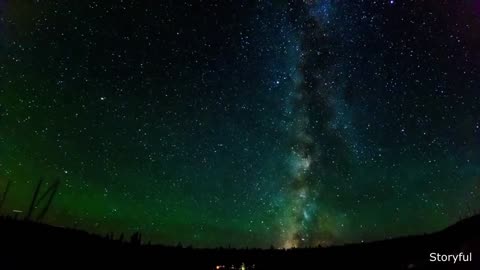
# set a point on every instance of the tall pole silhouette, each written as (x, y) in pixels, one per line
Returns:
(37, 200)
(52, 190)
(34, 199)
(5, 193)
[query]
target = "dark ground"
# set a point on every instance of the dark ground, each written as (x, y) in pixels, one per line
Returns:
(43, 245)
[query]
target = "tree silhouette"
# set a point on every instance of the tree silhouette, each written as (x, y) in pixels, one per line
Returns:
(121, 237)
(136, 239)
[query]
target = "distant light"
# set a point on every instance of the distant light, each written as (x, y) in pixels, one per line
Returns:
(392, 2)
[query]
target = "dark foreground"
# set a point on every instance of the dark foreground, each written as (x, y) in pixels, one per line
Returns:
(43, 245)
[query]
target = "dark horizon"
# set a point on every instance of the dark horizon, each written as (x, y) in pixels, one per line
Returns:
(414, 252)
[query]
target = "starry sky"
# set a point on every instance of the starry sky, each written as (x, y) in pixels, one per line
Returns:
(243, 123)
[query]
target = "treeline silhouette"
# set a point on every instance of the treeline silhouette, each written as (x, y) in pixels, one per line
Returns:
(24, 236)
(27, 236)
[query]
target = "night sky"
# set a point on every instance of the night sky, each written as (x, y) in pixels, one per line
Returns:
(243, 123)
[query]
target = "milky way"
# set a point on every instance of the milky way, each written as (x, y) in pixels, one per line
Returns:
(243, 123)
(314, 141)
